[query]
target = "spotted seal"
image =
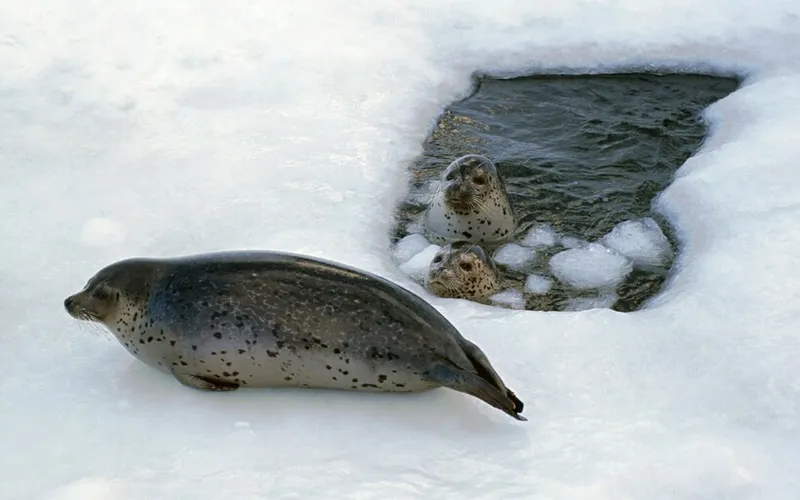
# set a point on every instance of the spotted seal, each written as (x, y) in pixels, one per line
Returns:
(470, 204)
(220, 321)
(463, 270)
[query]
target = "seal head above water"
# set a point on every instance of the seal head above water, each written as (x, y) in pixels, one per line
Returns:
(471, 204)
(221, 321)
(462, 270)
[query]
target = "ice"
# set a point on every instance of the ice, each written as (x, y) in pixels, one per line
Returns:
(573, 242)
(408, 247)
(511, 298)
(592, 266)
(603, 300)
(538, 284)
(540, 236)
(514, 256)
(417, 266)
(640, 240)
(199, 126)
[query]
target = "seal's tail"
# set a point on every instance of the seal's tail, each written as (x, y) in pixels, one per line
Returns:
(475, 385)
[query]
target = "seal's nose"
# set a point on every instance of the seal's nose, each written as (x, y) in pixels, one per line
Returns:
(68, 303)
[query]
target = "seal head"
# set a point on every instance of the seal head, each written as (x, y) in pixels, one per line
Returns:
(462, 270)
(471, 203)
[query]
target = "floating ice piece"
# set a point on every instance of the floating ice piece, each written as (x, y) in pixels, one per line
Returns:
(417, 266)
(510, 298)
(408, 247)
(592, 266)
(640, 240)
(540, 236)
(572, 242)
(602, 301)
(537, 284)
(514, 256)
(102, 232)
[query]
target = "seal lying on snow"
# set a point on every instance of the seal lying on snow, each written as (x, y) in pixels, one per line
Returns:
(267, 319)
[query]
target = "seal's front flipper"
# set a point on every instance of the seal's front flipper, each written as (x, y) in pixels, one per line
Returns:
(204, 383)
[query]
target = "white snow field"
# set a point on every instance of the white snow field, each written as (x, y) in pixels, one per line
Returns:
(172, 128)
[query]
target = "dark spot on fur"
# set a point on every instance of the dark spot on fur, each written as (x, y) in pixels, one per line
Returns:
(355, 380)
(337, 351)
(217, 335)
(272, 354)
(194, 347)
(172, 342)
(149, 339)
(327, 367)
(287, 378)
(369, 385)
(242, 351)
(381, 378)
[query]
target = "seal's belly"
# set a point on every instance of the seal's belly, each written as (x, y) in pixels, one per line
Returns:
(264, 363)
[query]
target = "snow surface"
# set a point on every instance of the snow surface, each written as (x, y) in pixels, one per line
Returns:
(199, 126)
(408, 247)
(592, 266)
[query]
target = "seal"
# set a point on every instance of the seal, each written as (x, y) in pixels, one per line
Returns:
(471, 204)
(220, 321)
(462, 270)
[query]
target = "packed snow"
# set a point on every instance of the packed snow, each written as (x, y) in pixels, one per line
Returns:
(199, 126)
(409, 246)
(604, 299)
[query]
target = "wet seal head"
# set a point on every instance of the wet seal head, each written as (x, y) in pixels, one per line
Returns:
(471, 203)
(221, 321)
(462, 270)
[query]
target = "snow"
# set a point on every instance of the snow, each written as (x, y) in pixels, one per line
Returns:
(537, 284)
(514, 256)
(510, 297)
(641, 241)
(592, 266)
(417, 266)
(199, 126)
(408, 247)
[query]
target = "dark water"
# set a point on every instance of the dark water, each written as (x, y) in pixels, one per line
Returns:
(581, 153)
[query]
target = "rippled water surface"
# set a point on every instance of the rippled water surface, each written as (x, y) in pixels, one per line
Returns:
(581, 153)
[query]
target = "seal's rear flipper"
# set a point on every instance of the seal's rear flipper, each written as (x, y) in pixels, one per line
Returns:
(204, 383)
(460, 380)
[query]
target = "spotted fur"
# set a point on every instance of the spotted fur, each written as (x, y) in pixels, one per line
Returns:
(471, 204)
(462, 270)
(217, 322)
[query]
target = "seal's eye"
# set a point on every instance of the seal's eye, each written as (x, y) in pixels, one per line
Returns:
(466, 266)
(101, 293)
(437, 259)
(451, 176)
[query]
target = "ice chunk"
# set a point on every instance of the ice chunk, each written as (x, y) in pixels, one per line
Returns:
(538, 284)
(640, 240)
(602, 301)
(540, 236)
(572, 242)
(408, 247)
(514, 256)
(417, 266)
(101, 232)
(509, 298)
(592, 266)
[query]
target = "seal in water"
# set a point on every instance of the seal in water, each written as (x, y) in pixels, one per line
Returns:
(462, 270)
(269, 319)
(471, 204)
